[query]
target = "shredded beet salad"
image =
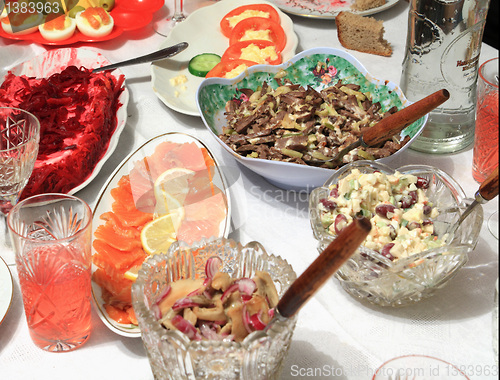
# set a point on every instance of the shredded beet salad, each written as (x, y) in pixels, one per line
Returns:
(77, 113)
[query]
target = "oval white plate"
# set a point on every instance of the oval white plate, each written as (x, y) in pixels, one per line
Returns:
(325, 9)
(6, 289)
(202, 31)
(54, 61)
(105, 200)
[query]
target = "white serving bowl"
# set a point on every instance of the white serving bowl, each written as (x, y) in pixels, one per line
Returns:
(213, 94)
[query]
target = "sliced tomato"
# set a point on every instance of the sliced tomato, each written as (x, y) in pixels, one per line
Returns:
(262, 51)
(224, 67)
(275, 32)
(250, 10)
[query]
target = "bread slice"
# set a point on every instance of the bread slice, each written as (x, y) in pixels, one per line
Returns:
(364, 34)
(363, 5)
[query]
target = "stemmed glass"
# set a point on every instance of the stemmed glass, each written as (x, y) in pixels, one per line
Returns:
(19, 137)
(164, 27)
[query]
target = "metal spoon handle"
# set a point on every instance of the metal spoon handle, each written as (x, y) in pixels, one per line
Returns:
(327, 263)
(395, 123)
(160, 54)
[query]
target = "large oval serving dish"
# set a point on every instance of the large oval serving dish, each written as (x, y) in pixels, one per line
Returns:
(54, 61)
(214, 93)
(202, 31)
(141, 158)
(6, 289)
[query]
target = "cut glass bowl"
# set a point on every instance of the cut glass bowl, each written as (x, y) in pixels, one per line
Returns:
(369, 276)
(172, 355)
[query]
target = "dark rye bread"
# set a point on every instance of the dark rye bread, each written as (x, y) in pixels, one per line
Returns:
(364, 34)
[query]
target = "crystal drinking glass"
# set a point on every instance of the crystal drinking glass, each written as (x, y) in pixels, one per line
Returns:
(164, 26)
(19, 137)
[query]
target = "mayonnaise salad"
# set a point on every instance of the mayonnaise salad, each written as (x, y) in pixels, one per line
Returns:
(399, 210)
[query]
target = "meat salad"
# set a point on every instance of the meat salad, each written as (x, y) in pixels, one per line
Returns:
(296, 124)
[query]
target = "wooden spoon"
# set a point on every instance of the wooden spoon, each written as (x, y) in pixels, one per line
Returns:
(487, 191)
(326, 264)
(390, 125)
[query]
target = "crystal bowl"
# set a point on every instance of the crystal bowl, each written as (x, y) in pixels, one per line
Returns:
(171, 354)
(369, 276)
(214, 93)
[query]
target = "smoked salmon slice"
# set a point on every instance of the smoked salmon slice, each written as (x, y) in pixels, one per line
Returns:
(117, 242)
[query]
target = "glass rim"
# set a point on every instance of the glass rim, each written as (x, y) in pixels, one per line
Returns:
(22, 203)
(481, 68)
(38, 126)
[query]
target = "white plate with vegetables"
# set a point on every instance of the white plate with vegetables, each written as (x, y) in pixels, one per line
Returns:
(172, 82)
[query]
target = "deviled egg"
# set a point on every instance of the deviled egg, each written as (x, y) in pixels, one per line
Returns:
(94, 22)
(20, 24)
(59, 29)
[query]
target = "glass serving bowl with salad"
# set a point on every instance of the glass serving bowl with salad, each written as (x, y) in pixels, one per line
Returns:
(409, 253)
(240, 340)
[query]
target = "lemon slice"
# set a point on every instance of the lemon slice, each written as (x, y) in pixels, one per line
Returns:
(170, 189)
(132, 273)
(160, 233)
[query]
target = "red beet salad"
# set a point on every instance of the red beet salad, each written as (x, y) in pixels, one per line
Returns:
(77, 113)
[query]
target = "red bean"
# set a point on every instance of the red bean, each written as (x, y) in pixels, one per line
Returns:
(409, 200)
(329, 205)
(386, 251)
(340, 223)
(384, 210)
(422, 183)
(413, 225)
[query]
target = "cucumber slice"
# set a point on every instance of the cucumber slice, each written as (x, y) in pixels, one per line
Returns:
(201, 64)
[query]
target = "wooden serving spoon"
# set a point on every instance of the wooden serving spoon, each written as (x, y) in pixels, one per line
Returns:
(487, 191)
(326, 264)
(390, 125)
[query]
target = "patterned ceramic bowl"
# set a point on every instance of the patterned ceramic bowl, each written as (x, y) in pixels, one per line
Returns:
(214, 93)
(172, 355)
(372, 277)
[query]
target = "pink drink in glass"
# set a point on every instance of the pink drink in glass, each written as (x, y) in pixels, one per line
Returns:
(56, 297)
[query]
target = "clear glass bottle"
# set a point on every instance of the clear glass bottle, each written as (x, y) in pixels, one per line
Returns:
(442, 51)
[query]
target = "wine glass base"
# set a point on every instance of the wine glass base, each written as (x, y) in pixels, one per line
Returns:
(164, 27)
(418, 367)
(493, 224)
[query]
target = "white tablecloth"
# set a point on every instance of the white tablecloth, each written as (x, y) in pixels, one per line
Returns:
(336, 335)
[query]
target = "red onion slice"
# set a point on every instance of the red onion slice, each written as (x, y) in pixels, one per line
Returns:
(246, 286)
(246, 319)
(184, 303)
(231, 289)
(186, 327)
(256, 321)
(212, 266)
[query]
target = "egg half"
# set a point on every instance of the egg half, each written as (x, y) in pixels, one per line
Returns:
(28, 23)
(59, 29)
(94, 22)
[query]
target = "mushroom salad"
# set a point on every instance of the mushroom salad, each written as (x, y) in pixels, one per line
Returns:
(218, 307)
